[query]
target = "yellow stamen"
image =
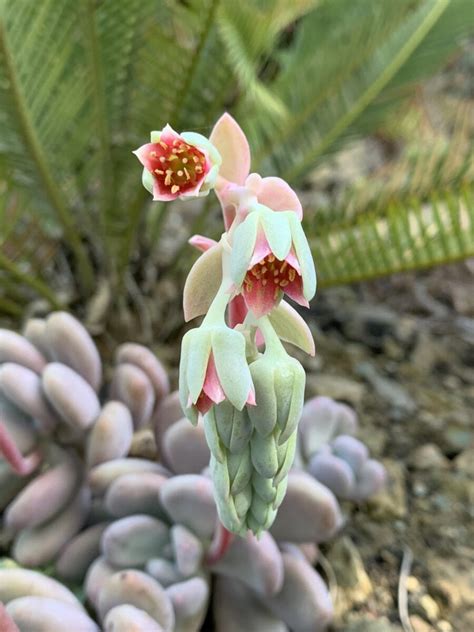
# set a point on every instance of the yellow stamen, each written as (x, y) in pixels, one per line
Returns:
(292, 274)
(271, 258)
(163, 144)
(159, 171)
(185, 161)
(162, 159)
(174, 188)
(188, 177)
(283, 266)
(173, 156)
(284, 283)
(264, 282)
(180, 173)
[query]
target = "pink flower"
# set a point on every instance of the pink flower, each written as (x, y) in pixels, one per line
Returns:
(178, 165)
(271, 257)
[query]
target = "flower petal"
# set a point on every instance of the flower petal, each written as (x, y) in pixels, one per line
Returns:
(201, 242)
(212, 387)
(290, 327)
(231, 142)
(202, 283)
(278, 232)
(260, 298)
(228, 347)
(244, 240)
(279, 196)
(198, 358)
(305, 258)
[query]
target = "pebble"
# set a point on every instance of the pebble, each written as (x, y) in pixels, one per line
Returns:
(420, 625)
(429, 607)
(428, 457)
(337, 387)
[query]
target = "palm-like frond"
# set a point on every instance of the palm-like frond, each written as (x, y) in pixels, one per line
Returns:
(83, 82)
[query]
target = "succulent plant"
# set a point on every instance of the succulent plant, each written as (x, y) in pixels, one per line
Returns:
(333, 455)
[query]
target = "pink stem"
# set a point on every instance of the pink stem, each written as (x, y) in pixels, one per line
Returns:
(221, 542)
(21, 465)
(6, 622)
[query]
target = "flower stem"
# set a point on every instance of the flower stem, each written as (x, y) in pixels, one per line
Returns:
(21, 465)
(219, 545)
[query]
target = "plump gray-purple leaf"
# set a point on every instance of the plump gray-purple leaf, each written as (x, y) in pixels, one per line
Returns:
(70, 395)
(188, 550)
(353, 451)
(42, 614)
(35, 332)
(236, 609)
(146, 360)
(135, 493)
(189, 501)
(78, 554)
(18, 425)
(23, 387)
(71, 344)
(15, 348)
(309, 512)
(127, 618)
(35, 547)
(104, 474)
(322, 420)
(370, 480)
(185, 449)
(98, 573)
(164, 571)
(303, 602)
(332, 471)
(166, 414)
(140, 590)
(132, 386)
(44, 496)
(255, 562)
(133, 540)
(22, 582)
(189, 599)
(111, 435)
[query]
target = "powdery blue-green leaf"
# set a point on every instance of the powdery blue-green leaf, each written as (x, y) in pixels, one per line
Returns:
(212, 436)
(333, 472)
(188, 550)
(243, 244)
(264, 414)
(202, 283)
(291, 327)
(264, 454)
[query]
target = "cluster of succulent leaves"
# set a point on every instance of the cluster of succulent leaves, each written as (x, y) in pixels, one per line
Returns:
(136, 533)
(304, 77)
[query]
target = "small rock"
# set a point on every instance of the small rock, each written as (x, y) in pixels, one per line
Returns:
(428, 457)
(340, 388)
(444, 626)
(412, 584)
(371, 625)
(391, 502)
(354, 583)
(429, 607)
(144, 445)
(401, 403)
(371, 325)
(420, 625)
(464, 463)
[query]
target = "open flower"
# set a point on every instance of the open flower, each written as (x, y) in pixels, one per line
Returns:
(213, 368)
(178, 165)
(271, 257)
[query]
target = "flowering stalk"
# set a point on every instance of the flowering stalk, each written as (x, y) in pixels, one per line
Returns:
(234, 371)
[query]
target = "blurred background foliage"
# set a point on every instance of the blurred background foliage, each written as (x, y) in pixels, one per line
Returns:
(82, 83)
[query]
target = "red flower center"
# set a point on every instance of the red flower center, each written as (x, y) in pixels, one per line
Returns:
(270, 272)
(177, 167)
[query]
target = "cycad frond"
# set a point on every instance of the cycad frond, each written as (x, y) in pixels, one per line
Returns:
(389, 47)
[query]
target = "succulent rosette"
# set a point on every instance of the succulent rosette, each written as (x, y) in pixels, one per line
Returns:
(178, 165)
(271, 257)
